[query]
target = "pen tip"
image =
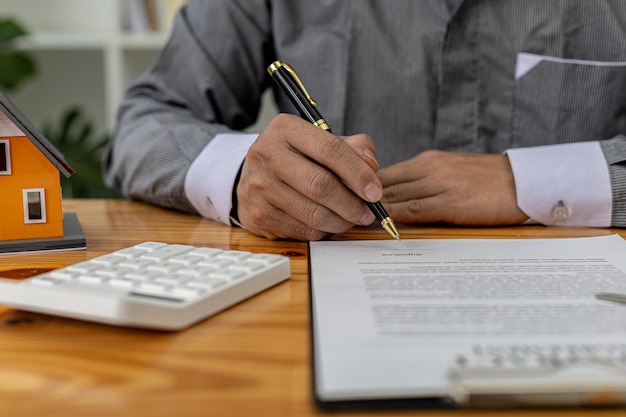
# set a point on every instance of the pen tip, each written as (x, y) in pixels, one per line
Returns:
(388, 225)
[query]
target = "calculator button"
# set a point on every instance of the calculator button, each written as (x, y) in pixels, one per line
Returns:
(172, 280)
(150, 246)
(227, 274)
(216, 263)
(91, 279)
(108, 259)
(187, 259)
(121, 283)
(64, 275)
(143, 275)
(112, 271)
(86, 266)
(247, 266)
(205, 252)
(207, 283)
(166, 252)
(235, 255)
(267, 258)
(165, 268)
(136, 263)
(197, 271)
(133, 252)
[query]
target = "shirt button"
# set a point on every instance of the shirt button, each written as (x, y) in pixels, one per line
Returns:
(560, 213)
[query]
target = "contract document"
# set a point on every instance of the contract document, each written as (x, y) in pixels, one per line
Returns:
(393, 320)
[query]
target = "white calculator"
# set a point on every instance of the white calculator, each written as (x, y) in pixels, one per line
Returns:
(150, 285)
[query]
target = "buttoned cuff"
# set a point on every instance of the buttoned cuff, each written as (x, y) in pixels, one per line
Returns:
(211, 176)
(563, 185)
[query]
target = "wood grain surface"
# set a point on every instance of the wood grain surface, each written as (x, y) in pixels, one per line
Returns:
(250, 360)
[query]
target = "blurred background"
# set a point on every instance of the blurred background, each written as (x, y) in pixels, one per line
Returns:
(66, 64)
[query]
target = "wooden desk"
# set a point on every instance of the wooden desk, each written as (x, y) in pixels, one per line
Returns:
(251, 360)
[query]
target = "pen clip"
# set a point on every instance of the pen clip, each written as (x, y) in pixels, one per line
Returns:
(294, 75)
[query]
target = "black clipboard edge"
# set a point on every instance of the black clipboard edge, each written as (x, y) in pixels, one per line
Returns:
(425, 403)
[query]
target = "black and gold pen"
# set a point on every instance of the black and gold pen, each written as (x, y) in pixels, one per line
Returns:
(288, 81)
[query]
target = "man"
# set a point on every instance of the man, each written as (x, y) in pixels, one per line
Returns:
(444, 110)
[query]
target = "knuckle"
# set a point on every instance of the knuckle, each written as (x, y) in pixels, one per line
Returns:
(329, 147)
(414, 208)
(256, 216)
(430, 155)
(321, 185)
(390, 193)
(281, 121)
(315, 217)
(252, 188)
(259, 153)
(258, 221)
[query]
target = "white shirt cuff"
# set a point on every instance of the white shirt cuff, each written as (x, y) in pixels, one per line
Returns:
(563, 185)
(211, 176)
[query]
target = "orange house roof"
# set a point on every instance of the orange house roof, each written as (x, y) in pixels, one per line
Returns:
(43, 144)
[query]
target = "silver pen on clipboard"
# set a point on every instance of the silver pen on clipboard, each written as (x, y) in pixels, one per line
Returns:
(614, 297)
(569, 375)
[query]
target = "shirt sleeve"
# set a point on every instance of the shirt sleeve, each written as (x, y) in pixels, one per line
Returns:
(564, 184)
(210, 179)
(195, 89)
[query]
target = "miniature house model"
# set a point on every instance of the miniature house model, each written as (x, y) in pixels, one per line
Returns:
(30, 183)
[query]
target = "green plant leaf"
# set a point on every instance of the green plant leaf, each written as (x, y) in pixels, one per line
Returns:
(68, 119)
(15, 67)
(10, 30)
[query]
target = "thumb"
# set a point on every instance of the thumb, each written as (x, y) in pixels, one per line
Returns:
(364, 147)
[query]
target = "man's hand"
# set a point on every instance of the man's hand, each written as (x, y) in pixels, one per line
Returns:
(291, 182)
(458, 188)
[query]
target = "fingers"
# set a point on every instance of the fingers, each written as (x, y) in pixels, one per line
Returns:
(288, 163)
(338, 157)
(288, 187)
(458, 188)
(301, 219)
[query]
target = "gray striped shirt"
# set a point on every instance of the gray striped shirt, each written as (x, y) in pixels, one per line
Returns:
(414, 75)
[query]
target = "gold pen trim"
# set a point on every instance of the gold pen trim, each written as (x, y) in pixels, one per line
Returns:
(278, 64)
(390, 227)
(321, 123)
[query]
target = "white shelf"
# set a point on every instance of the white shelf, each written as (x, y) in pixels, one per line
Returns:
(79, 41)
(142, 42)
(63, 41)
(84, 56)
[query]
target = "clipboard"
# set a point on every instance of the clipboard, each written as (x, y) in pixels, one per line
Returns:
(504, 375)
(510, 376)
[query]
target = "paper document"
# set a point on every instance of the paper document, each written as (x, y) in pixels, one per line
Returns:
(391, 318)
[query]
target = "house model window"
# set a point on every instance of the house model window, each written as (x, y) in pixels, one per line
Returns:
(34, 205)
(5, 157)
